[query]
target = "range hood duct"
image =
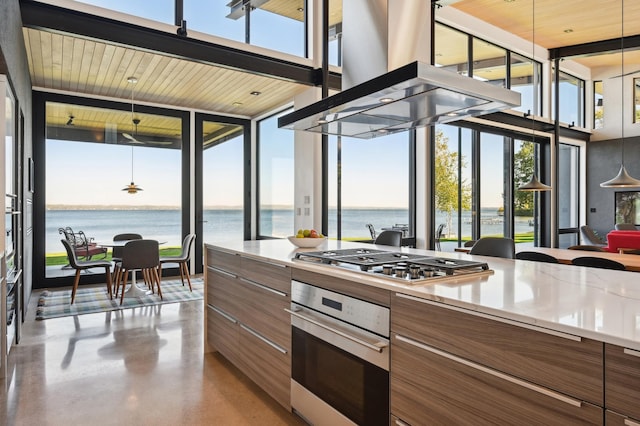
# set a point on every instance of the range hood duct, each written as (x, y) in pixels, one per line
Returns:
(412, 96)
(388, 82)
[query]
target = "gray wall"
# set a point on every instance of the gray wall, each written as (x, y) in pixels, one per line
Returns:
(603, 163)
(14, 64)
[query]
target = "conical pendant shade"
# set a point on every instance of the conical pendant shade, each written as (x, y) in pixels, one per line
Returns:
(534, 185)
(622, 180)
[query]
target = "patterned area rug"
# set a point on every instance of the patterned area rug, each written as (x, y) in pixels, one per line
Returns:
(57, 303)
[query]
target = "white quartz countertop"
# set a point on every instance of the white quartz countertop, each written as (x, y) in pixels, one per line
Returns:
(594, 303)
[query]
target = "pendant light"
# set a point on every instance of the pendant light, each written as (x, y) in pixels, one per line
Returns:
(622, 179)
(132, 188)
(534, 184)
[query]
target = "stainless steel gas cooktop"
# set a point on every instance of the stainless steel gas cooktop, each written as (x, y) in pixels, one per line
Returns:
(399, 266)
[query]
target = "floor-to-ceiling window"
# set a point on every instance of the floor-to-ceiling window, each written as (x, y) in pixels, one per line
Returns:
(223, 180)
(275, 178)
(369, 183)
(568, 195)
(492, 186)
(453, 185)
(109, 169)
(477, 174)
(526, 204)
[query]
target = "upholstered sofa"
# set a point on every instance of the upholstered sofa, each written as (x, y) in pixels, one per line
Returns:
(617, 240)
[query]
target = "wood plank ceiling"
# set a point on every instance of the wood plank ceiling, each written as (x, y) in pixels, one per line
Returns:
(563, 23)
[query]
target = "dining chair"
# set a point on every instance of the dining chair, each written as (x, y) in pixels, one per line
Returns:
(598, 262)
(81, 265)
(182, 259)
(389, 238)
(469, 243)
(535, 256)
(372, 230)
(116, 252)
(494, 246)
(438, 236)
(589, 236)
(139, 255)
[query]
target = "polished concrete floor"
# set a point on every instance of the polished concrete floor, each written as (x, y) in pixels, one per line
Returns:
(142, 366)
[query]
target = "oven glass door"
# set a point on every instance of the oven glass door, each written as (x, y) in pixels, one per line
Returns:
(351, 385)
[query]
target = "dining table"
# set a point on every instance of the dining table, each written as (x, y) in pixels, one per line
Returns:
(631, 262)
(133, 290)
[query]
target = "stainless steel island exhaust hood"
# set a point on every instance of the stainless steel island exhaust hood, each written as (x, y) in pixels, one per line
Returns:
(412, 96)
(382, 95)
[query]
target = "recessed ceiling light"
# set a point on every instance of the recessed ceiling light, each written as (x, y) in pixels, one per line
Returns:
(256, 93)
(386, 100)
(235, 104)
(322, 121)
(568, 30)
(451, 114)
(132, 80)
(301, 9)
(509, 1)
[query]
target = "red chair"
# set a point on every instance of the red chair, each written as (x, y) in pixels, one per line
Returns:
(617, 240)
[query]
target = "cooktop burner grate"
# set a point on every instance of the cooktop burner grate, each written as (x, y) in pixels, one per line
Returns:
(400, 265)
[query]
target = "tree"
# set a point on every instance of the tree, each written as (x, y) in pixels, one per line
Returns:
(448, 181)
(523, 168)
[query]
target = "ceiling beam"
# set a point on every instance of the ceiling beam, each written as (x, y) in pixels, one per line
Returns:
(594, 48)
(53, 18)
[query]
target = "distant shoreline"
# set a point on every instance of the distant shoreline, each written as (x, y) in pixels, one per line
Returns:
(62, 207)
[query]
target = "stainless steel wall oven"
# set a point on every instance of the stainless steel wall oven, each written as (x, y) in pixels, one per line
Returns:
(340, 357)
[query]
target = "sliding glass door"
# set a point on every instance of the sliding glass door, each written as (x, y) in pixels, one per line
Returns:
(477, 175)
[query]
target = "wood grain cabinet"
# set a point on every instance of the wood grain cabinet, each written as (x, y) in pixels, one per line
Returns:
(622, 385)
(614, 419)
(246, 320)
(452, 366)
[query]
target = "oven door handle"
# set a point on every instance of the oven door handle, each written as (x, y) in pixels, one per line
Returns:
(378, 346)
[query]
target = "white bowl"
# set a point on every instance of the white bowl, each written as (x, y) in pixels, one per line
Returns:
(307, 242)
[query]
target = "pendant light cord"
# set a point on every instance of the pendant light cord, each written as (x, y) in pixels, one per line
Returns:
(131, 163)
(622, 79)
(132, 89)
(533, 71)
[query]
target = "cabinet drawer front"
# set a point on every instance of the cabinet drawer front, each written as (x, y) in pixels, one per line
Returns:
(222, 333)
(264, 311)
(268, 365)
(226, 261)
(222, 291)
(622, 380)
(570, 366)
(429, 388)
(272, 275)
(615, 419)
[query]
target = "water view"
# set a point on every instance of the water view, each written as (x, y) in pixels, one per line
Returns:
(224, 224)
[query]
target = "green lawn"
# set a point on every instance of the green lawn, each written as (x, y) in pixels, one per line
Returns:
(54, 259)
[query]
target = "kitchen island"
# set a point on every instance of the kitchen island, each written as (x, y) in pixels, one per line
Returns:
(530, 342)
